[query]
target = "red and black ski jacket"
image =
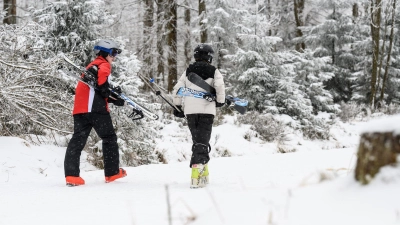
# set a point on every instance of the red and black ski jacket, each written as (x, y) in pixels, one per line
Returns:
(87, 99)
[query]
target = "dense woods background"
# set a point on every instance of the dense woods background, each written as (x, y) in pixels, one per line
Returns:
(293, 57)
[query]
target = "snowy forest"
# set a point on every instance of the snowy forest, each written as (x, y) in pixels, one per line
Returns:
(301, 59)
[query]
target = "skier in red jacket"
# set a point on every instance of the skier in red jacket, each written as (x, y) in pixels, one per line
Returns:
(91, 111)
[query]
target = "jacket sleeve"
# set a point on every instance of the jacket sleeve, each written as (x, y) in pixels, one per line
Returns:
(102, 79)
(181, 83)
(219, 86)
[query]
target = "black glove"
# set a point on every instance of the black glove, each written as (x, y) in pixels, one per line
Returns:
(208, 97)
(117, 90)
(218, 104)
(179, 113)
(228, 102)
(117, 102)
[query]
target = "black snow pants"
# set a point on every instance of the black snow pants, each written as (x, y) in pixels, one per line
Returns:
(83, 124)
(200, 126)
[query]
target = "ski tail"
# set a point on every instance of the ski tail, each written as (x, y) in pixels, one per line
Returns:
(241, 109)
(238, 104)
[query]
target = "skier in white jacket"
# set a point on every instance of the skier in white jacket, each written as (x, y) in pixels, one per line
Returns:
(200, 113)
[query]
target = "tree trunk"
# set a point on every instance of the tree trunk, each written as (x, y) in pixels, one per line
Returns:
(375, 34)
(375, 151)
(171, 42)
(10, 6)
(203, 24)
(161, 15)
(333, 41)
(148, 39)
(382, 52)
(188, 46)
(355, 12)
(219, 52)
(391, 37)
(268, 13)
(298, 14)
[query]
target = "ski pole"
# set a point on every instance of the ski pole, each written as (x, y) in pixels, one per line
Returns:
(158, 93)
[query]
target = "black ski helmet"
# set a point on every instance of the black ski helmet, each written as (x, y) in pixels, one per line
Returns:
(203, 52)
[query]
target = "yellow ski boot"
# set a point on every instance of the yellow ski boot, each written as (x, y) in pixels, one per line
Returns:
(199, 176)
(205, 174)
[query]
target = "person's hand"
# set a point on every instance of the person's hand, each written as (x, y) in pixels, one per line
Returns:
(117, 90)
(180, 113)
(116, 101)
(208, 97)
(119, 102)
(219, 104)
(228, 102)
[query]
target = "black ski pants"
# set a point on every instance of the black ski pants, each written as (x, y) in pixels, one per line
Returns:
(200, 126)
(83, 124)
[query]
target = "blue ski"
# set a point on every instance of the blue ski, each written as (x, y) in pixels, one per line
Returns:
(237, 103)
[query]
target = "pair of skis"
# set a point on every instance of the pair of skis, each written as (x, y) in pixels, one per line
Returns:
(139, 111)
(237, 103)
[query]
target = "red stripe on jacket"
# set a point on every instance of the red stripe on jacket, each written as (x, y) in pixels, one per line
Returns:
(84, 95)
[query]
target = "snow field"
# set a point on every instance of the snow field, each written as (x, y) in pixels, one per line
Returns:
(256, 185)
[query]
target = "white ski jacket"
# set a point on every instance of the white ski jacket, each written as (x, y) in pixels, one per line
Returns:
(193, 105)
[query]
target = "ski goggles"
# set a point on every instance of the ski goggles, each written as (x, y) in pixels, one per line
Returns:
(112, 52)
(115, 51)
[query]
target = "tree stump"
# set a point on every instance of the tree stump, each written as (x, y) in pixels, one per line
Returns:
(376, 149)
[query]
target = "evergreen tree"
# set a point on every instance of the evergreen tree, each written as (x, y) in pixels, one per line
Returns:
(333, 38)
(256, 72)
(221, 28)
(312, 74)
(290, 99)
(73, 26)
(301, 92)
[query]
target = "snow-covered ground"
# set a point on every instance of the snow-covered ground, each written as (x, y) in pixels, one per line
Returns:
(256, 185)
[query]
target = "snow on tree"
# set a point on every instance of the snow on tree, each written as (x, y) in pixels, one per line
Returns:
(256, 74)
(73, 26)
(333, 38)
(301, 93)
(374, 61)
(221, 30)
(32, 98)
(312, 74)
